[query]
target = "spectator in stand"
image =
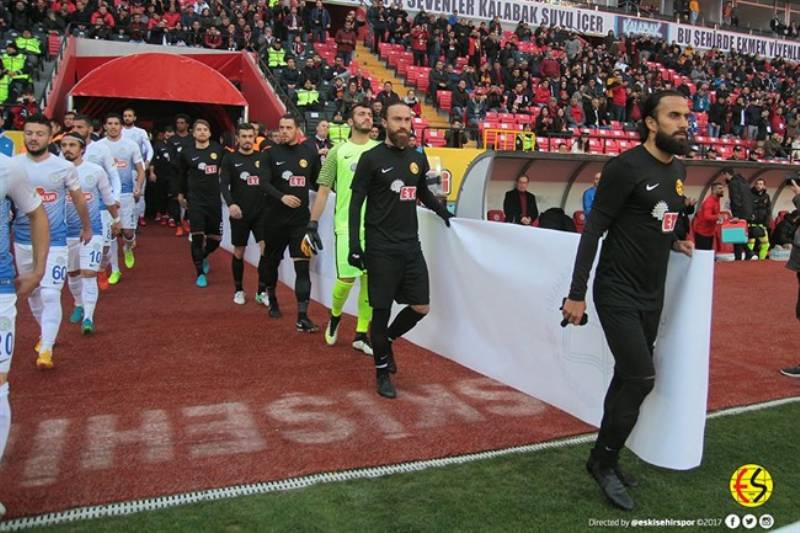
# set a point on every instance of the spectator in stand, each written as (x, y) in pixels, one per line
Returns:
(460, 99)
(476, 111)
(796, 149)
(596, 116)
(519, 205)
(213, 38)
(706, 220)
(544, 123)
(694, 11)
(773, 147)
(576, 117)
(291, 75)
(438, 80)
(456, 137)
(320, 22)
(752, 119)
(345, 43)
(294, 24)
(102, 13)
(411, 101)
(712, 154)
(550, 67)
(387, 96)
(419, 44)
(619, 97)
(588, 195)
(25, 107)
(716, 118)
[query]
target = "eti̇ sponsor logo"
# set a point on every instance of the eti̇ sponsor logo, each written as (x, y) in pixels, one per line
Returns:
(751, 485)
(120, 163)
(47, 197)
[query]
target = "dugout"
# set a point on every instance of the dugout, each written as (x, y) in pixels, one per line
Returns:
(559, 180)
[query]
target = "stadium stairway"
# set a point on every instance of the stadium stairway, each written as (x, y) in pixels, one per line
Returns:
(373, 63)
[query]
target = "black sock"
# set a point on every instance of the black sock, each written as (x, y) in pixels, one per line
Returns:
(302, 287)
(237, 265)
(403, 322)
(380, 340)
(263, 263)
(197, 252)
(211, 245)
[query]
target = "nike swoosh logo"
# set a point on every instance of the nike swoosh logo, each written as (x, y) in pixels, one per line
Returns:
(385, 170)
(348, 156)
(237, 165)
(279, 163)
(651, 187)
(195, 158)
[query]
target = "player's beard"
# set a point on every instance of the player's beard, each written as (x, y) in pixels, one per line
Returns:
(246, 146)
(69, 157)
(398, 138)
(672, 144)
(37, 153)
(364, 130)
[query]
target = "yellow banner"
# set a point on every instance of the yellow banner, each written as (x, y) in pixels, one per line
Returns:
(453, 163)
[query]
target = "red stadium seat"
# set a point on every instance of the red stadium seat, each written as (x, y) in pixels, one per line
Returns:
(595, 146)
(445, 99)
(612, 147)
(496, 215)
(434, 138)
(543, 143)
(507, 118)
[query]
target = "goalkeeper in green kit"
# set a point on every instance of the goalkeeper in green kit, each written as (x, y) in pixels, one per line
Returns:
(337, 175)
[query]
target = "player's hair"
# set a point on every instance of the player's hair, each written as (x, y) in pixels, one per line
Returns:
(76, 136)
(132, 110)
(40, 119)
(168, 127)
(112, 115)
(202, 121)
(183, 116)
(246, 126)
(289, 116)
(385, 110)
(70, 113)
(360, 103)
(727, 170)
(650, 109)
(85, 118)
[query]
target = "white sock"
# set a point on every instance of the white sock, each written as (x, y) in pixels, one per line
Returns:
(114, 256)
(35, 303)
(75, 284)
(5, 417)
(51, 316)
(90, 294)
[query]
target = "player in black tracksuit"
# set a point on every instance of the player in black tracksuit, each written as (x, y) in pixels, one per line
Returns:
(391, 178)
(199, 166)
(164, 168)
(638, 202)
(240, 183)
(181, 139)
(291, 169)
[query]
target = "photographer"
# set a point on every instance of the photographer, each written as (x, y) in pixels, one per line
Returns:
(794, 265)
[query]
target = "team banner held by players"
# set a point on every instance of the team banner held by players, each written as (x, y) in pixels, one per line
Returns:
(495, 293)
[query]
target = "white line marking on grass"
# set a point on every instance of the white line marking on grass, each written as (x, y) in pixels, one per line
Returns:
(165, 502)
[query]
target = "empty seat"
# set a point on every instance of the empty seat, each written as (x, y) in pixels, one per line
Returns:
(496, 215)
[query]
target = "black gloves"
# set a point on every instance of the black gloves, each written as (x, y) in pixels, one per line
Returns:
(312, 238)
(356, 257)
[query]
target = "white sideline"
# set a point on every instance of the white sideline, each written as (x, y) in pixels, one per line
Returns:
(164, 502)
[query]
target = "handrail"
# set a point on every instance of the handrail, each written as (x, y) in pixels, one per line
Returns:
(291, 108)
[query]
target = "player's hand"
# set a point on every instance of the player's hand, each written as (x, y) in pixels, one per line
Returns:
(137, 193)
(86, 235)
(25, 283)
(183, 202)
(152, 177)
(313, 237)
(684, 247)
(115, 230)
(235, 211)
(526, 221)
(446, 216)
(689, 202)
(356, 258)
(291, 201)
(573, 312)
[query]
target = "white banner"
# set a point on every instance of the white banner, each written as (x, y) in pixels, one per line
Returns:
(727, 41)
(495, 294)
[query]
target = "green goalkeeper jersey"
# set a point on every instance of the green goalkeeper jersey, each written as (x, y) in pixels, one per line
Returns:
(337, 173)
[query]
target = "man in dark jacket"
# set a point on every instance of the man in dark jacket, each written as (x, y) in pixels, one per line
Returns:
(519, 205)
(555, 218)
(762, 216)
(794, 265)
(741, 206)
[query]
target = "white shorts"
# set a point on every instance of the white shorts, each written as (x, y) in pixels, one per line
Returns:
(85, 256)
(54, 273)
(127, 211)
(108, 221)
(8, 320)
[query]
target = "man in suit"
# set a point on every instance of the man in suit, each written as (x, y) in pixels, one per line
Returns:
(519, 205)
